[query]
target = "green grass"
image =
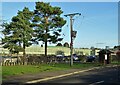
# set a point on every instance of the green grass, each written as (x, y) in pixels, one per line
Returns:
(116, 62)
(26, 69)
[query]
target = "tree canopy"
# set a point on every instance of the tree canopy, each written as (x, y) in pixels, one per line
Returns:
(59, 44)
(66, 44)
(47, 23)
(43, 24)
(18, 33)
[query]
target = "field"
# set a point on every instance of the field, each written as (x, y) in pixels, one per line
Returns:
(51, 50)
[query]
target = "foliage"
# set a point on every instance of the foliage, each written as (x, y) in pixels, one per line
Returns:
(41, 45)
(59, 44)
(66, 44)
(18, 33)
(59, 52)
(44, 24)
(115, 47)
(118, 47)
(92, 48)
(47, 23)
(9, 41)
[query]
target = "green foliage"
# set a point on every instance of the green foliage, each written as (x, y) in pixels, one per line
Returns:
(66, 44)
(44, 24)
(59, 44)
(18, 32)
(118, 47)
(59, 52)
(47, 23)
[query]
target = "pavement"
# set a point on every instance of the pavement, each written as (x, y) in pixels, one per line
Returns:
(43, 76)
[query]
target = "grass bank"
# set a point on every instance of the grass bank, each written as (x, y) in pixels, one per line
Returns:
(26, 69)
(51, 50)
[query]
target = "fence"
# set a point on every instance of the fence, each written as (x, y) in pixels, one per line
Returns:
(35, 59)
(31, 60)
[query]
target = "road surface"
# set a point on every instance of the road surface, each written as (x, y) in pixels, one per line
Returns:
(102, 76)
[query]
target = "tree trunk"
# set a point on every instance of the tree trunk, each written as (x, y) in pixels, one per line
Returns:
(24, 56)
(45, 48)
(46, 37)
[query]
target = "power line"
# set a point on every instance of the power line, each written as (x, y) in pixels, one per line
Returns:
(79, 23)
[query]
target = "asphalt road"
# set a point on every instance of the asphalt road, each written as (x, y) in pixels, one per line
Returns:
(102, 76)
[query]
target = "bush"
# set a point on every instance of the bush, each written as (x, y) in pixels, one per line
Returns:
(66, 44)
(59, 44)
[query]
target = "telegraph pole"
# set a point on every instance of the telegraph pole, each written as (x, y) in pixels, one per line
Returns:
(71, 35)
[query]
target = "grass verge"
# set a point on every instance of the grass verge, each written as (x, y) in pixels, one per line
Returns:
(26, 69)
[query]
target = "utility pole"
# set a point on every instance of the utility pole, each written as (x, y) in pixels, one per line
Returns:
(73, 35)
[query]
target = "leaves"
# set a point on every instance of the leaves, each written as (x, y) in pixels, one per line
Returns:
(28, 27)
(47, 19)
(18, 31)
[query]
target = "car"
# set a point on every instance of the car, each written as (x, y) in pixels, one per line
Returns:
(75, 58)
(60, 56)
(90, 58)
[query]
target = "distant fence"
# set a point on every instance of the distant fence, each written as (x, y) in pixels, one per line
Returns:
(35, 59)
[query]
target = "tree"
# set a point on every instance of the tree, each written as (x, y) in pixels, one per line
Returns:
(118, 47)
(18, 33)
(115, 47)
(59, 44)
(92, 51)
(47, 23)
(41, 45)
(66, 44)
(59, 52)
(9, 41)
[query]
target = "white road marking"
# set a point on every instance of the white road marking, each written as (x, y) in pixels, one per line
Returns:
(49, 78)
(97, 83)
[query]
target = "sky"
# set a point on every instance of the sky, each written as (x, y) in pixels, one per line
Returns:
(60, 0)
(97, 26)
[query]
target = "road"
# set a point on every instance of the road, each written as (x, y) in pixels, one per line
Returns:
(102, 76)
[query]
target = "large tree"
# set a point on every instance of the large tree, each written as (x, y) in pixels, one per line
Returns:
(47, 23)
(18, 33)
